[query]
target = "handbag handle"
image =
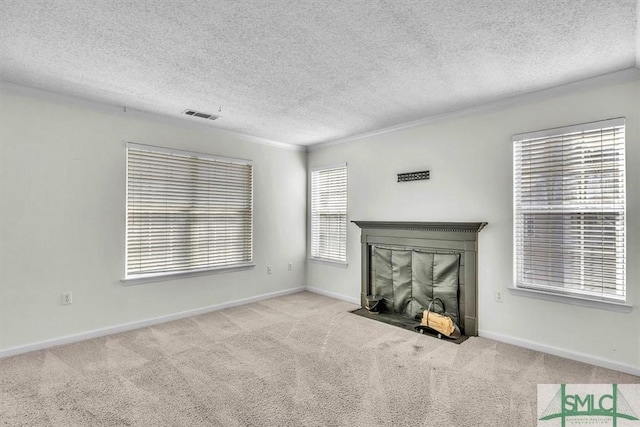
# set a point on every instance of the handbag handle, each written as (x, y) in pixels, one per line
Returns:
(431, 304)
(434, 300)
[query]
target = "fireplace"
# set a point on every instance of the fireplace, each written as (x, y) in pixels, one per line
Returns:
(407, 264)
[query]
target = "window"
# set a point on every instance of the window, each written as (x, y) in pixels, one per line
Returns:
(569, 197)
(329, 214)
(186, 212)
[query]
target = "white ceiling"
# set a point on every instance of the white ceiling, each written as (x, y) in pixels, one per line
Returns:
(305, 71)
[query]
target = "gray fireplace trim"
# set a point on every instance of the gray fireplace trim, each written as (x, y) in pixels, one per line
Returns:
(461, 237)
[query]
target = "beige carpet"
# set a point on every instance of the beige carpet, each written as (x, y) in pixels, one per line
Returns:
(298, 360)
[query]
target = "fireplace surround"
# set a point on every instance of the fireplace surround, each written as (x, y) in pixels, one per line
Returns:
(440, 239)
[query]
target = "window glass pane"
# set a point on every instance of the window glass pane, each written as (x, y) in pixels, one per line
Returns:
(329, 214)
(569, 195)
(186, 212)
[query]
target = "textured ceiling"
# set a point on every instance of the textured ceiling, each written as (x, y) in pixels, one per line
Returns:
(305, 71)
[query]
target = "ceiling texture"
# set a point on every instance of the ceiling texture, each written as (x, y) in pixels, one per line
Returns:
(309, 71)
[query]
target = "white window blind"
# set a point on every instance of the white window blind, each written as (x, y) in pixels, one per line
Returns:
(329, 213)
(569, 197)
(186, 212)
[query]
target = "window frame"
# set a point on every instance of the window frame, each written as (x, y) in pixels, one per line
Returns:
(132, 279)
(562, 294)
(323, 260)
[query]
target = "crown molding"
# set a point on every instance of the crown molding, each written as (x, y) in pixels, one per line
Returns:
(146, 115)
(626, 75)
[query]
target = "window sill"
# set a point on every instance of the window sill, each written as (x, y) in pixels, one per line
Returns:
(619, 307)
(329, 262)
(174, 276)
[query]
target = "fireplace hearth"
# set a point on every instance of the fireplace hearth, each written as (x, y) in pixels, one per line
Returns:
(406, 265)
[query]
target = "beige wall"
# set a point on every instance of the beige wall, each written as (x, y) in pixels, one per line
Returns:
(62, 218)
(470, 159)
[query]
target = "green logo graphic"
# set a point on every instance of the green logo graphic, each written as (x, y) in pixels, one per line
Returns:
(613, 406)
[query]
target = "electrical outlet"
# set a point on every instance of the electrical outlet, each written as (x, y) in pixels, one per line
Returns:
(269, 271)
(499, 297)
(67, 298)
(290, 266)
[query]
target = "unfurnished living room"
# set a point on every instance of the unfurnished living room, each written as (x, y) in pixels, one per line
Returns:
(319, 213)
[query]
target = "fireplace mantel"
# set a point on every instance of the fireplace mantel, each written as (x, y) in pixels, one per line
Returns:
(459, 237)
(465, 227)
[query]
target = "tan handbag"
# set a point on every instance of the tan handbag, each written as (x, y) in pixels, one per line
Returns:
(439, 322)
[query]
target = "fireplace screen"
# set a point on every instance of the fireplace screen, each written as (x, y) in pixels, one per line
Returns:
(408, 280)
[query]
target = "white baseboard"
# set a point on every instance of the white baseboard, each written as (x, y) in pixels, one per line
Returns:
(567, 354)
(69, 339)
(332, 295)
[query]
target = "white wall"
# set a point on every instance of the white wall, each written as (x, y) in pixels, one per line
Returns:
(470, 159)
(62, 183)
(62, 218)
